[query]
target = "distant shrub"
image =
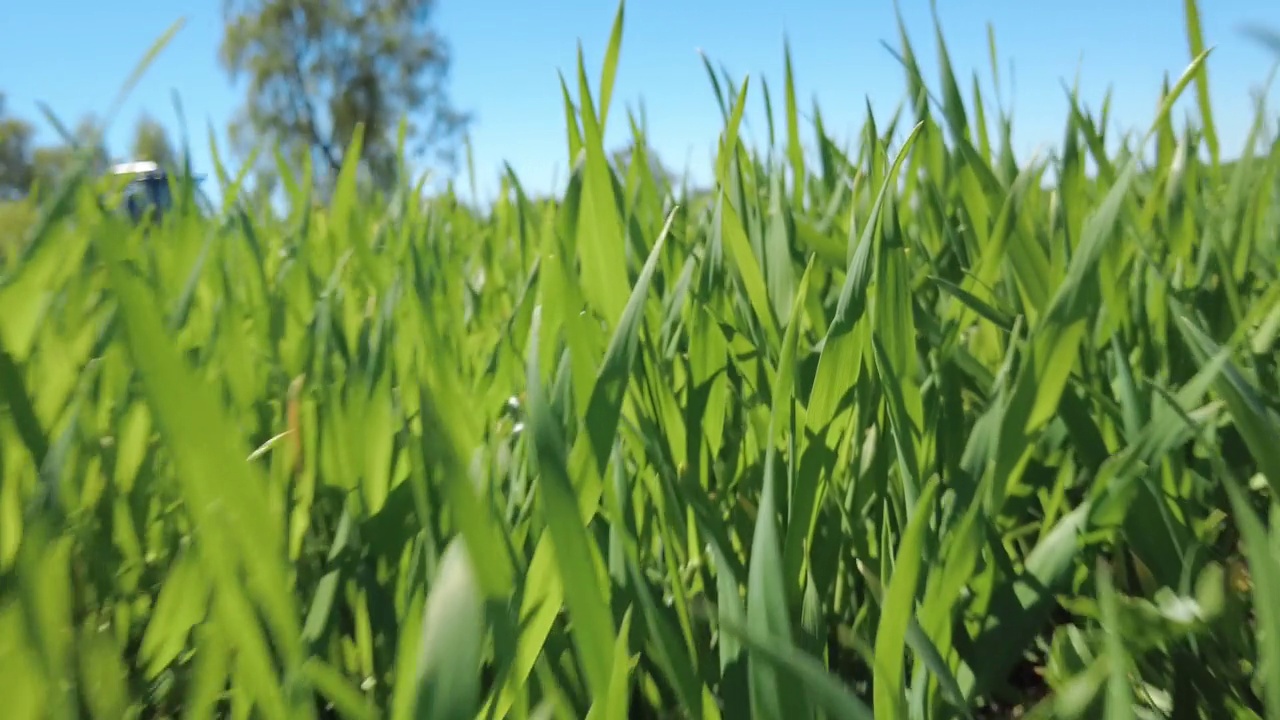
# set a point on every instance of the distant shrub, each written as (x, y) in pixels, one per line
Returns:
(16, 216)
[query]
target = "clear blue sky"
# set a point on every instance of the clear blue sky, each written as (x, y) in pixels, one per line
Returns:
(74, 55)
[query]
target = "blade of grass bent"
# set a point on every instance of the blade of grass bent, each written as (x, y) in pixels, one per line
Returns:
(840, 362)
(575, 552)
(604, 407)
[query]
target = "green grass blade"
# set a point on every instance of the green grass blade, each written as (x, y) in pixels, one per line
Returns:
(604, 407)
(449, 664)
(575, 554)
(898, 610)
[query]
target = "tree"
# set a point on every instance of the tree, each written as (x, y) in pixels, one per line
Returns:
(23, 165)
(15, 155)
(317, 69)
(50, 164)
(151, 142)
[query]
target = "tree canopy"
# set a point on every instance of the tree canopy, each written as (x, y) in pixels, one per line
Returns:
(318, 69)
(15, 154)
(25, 165)
(151, 142)
(314, 71)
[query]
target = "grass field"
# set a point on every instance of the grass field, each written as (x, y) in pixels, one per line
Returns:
(920, 427)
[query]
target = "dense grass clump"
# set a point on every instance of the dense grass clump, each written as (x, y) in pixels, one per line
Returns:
(916, 426)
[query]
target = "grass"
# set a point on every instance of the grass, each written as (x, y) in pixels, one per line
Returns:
(905, 427)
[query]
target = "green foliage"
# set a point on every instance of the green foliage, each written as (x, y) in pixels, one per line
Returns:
(15, 154)
(151, 142)
(16, 218)
(26, 168)
(901, 427)
(318, 69)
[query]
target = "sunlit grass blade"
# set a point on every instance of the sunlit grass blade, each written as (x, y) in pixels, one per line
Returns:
(898, 609)
(840, 362)
(576, 555)
(1195, 41)
(604, 407)
(795, 153)
(610, 70)
(452, 640)
(601, 234)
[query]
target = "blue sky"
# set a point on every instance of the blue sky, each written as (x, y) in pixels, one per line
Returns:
(74, 55)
